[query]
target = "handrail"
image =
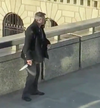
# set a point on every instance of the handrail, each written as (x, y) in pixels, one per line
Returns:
(51, 32)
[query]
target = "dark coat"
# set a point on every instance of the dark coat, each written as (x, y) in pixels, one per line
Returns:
(35, 46)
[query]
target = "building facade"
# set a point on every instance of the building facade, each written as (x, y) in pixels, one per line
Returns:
(16, 15)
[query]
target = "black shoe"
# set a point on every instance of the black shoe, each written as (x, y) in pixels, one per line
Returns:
(28, 99)
(37, 93)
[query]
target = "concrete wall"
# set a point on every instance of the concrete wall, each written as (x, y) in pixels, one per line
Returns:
(90, 50)
(64, 58)
(10, 77)
(61, 12)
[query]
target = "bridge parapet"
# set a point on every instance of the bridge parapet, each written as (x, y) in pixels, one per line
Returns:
(72, 51)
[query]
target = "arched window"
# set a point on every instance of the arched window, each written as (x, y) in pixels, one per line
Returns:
(50, 23)
(12, 24)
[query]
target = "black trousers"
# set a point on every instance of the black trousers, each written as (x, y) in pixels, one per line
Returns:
(31, 85)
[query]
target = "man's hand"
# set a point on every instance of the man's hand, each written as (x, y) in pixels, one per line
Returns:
(29, 62)
(49, 45)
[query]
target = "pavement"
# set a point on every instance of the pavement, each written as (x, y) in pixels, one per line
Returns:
(79, 89)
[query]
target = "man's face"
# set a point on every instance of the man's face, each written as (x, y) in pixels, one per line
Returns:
(41, 20)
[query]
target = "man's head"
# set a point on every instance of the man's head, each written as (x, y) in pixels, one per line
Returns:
(40, 18)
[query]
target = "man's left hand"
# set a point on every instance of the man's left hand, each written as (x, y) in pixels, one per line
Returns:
(49, 45)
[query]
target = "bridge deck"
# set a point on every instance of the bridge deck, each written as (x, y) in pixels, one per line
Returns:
(76, 90)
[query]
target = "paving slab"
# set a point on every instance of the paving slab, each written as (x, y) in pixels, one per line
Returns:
(80, 89)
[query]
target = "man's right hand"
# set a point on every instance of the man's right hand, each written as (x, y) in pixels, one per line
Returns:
(29, 62)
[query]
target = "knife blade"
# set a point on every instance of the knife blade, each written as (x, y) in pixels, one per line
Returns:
(24, 67)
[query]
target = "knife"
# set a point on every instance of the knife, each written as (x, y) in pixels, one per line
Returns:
(24, 67)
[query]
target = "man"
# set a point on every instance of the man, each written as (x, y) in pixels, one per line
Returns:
(33, 53)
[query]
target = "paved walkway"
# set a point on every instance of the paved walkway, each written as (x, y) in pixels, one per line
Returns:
(76, 90)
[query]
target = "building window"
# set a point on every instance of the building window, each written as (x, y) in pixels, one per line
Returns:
(75, 1)
(88, 2)
(61, 0)
(68, 1)
(50, 23)
(12, 24)
(95, 3)
(81, 2)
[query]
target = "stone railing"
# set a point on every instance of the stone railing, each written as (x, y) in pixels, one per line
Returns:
(69, 53)
(16, 40)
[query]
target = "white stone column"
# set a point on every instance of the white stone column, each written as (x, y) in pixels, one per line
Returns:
(1, 26)
(1, 33)
(78, 2)
(64, 1)
(58, 1)
(98, 3)
(85, 2)
(71, 1)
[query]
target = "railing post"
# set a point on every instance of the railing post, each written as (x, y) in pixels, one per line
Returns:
(80, 53)
(92, 30)
(57, 38)
(15, 48)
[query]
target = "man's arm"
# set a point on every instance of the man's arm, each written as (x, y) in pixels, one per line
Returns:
(47, 41)
(27, 43)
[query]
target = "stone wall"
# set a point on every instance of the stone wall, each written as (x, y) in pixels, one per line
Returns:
(67, 55)
(90, 50)
(11, 79)
(64, 58)
(58, 11)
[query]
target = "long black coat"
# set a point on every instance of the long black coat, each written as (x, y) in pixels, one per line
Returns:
(35, 45)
